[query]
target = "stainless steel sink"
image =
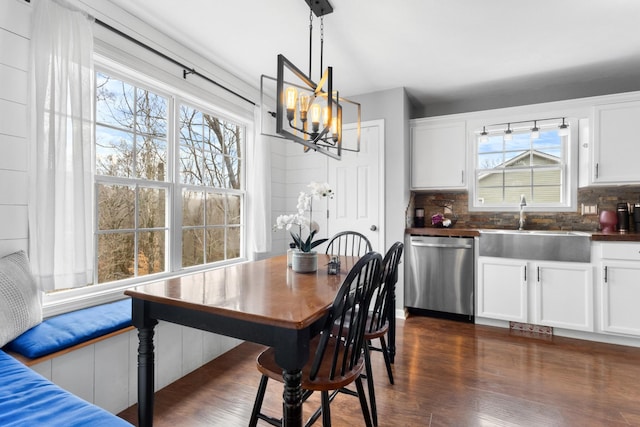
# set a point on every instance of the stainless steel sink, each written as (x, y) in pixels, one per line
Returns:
(544, 245)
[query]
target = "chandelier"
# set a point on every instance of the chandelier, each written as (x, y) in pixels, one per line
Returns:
(307, 112)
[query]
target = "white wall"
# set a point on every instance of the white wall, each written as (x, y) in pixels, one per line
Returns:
(15, 32)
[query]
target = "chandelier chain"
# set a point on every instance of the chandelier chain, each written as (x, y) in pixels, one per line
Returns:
(310, 37)
(321, 41)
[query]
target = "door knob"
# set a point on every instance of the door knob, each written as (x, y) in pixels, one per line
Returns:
(373, 228)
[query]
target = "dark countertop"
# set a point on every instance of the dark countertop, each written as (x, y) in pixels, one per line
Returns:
(631, 236)
(616, 236)
(441, 231)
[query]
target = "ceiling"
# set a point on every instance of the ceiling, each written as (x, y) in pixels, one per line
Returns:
(439, 51)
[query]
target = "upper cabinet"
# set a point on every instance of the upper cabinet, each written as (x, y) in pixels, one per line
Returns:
(438, 155)
(616, 144)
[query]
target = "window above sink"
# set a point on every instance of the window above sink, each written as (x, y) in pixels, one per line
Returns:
(513, 159)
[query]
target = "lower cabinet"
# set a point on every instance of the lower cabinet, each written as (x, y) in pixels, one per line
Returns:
(502, 289)
(558, 294)
(620, 288)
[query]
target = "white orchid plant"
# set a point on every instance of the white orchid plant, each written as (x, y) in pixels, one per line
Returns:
(305, 204)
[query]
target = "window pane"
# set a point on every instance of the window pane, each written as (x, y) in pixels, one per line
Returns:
(151, 252)
(151, 113)
(151, 158)
(516, 159)
(152, 211)
(191, 147)
(490, 161)
(216, 209)
(115, 256)
(114, 102)
(516, 178)
(192, 247)
(192, 208)
(233, 242)
(215, 244)
(512, 195)
(114, 152)
(233, 209)
(520, 141)
(116, 207)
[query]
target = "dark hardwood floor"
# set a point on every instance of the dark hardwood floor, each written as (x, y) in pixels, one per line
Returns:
(447, 373)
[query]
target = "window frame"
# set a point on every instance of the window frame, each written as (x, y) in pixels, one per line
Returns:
(72, 299)
(569, 168)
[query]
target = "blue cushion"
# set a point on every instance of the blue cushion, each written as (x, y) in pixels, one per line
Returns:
(68, 329)
(29, 399)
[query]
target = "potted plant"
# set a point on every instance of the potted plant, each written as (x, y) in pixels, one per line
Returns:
(304, 259)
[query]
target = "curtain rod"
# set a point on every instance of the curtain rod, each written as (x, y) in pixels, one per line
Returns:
(185, 69)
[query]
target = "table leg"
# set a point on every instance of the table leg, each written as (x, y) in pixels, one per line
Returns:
(292, 398)
(146, 383)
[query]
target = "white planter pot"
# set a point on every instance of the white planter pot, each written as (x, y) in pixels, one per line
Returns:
(304, 262)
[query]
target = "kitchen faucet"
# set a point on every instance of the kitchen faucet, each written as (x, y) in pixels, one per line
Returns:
(523, 203)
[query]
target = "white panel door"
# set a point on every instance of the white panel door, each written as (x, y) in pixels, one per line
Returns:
(358, 182)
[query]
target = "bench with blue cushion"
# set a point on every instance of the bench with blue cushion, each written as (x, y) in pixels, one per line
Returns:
(29, 399)
(70, 329)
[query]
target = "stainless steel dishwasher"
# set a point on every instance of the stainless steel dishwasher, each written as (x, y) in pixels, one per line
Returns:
(439, 275)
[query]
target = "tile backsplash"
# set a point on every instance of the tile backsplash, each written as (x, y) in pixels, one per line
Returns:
(606, 198)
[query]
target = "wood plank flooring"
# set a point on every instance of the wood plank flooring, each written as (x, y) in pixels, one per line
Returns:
(447, 373)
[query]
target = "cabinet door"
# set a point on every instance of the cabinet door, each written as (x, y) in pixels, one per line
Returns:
(502, 289)
(621, 297)
(438, 156)
(616, 143)
(563, 295)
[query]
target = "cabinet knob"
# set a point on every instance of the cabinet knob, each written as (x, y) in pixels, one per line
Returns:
(373, 228)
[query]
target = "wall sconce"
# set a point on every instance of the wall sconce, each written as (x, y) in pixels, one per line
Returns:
(508, 134)
(535, 132)
(484, 136)
(563, 129)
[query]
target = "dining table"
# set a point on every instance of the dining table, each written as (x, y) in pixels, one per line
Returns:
(263, 301)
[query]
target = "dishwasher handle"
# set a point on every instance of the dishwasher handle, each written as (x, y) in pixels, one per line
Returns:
(441, 245)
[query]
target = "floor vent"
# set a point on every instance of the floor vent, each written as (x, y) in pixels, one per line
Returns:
(528, 328)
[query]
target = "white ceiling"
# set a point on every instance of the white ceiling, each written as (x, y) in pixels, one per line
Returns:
(439, 50)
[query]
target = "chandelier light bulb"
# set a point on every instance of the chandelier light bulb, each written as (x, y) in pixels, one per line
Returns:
(291, 97)
(316, 112)
(304, 107)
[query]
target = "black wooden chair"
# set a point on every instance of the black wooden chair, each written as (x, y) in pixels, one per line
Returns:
(337, 353)
(348, 243)
(381, 319)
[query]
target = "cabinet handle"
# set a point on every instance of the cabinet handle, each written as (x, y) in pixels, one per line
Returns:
(597, 164)
(462, 177)
(525, 274)
(605, 274)
(538, 268)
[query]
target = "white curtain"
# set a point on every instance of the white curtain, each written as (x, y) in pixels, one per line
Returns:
(260, 189)
(61, 141)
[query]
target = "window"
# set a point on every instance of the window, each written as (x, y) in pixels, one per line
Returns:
(540, 168)
(169, 182)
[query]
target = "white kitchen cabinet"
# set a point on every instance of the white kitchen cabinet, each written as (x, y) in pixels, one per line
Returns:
(620, 288)
(549, 293)
(502, 289)
(438, 154)
(563, 295)
(615, 144)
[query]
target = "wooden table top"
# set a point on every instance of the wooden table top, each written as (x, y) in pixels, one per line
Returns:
(263, 291)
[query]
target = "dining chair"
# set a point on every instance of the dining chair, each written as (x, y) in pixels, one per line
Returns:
(381, 319)
(337, 353)
(349, 243)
